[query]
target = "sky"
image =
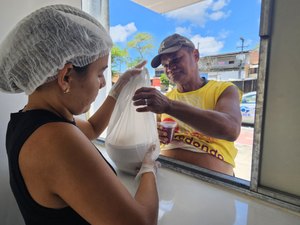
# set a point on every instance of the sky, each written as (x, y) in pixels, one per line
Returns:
(215, 26)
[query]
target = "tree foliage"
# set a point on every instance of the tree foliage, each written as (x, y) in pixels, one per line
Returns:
(143, 44)
(164, 79)
(119, 57)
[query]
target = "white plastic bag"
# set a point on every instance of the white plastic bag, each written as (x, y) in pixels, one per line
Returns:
(130, 134)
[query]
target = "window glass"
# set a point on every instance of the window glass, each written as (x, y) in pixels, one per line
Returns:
(226, 33)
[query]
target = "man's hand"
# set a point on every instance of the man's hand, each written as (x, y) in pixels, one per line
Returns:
(152, 100)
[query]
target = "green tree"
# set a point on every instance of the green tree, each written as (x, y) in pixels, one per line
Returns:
(119, 57)
(164, 79)
(143, 44)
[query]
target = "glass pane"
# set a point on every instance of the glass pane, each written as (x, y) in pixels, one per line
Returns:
(226, 33)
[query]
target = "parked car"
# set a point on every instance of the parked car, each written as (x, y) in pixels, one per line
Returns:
(248, 107)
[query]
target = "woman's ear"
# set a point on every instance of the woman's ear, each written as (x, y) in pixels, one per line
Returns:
(63, 78)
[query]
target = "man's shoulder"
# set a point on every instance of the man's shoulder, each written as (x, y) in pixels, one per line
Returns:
(218, 83)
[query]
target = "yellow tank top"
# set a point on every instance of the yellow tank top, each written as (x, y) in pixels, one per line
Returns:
(188, 138)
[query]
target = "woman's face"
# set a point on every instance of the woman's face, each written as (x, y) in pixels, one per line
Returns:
(84, 86)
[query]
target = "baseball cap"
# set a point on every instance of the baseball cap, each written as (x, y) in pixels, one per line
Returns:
(171, 44)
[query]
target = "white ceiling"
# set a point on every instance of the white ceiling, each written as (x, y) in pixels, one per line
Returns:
(163, 6)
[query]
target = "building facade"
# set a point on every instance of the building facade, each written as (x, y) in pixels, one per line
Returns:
(239, 67)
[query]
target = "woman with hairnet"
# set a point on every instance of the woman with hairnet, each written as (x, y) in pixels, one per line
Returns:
(57, 56)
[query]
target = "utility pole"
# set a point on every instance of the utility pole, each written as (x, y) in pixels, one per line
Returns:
(241, 57)
(242, 47)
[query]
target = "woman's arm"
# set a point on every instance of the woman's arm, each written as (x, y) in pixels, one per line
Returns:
(95, 125)
(71, 169)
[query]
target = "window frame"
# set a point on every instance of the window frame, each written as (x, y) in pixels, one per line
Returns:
(252, 187)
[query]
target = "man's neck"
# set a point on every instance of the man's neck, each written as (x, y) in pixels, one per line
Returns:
(192, 86)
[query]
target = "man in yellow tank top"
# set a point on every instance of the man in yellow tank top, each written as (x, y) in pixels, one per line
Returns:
(207, 112)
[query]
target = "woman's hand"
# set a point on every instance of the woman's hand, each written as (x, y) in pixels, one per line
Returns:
(124, 78)
(133, 71)
(149, 164)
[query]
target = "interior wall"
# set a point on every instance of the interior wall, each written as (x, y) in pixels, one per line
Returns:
(281, 143)
(11, 11)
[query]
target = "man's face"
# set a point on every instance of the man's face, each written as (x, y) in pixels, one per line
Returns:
(180, 66)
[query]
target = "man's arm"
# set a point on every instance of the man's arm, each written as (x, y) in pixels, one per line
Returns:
(223, 122)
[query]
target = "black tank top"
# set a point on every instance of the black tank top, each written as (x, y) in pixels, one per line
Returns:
(20, 127)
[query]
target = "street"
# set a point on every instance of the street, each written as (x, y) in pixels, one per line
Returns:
(244, 156)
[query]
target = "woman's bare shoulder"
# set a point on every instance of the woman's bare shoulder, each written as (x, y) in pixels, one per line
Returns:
(61, 160)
